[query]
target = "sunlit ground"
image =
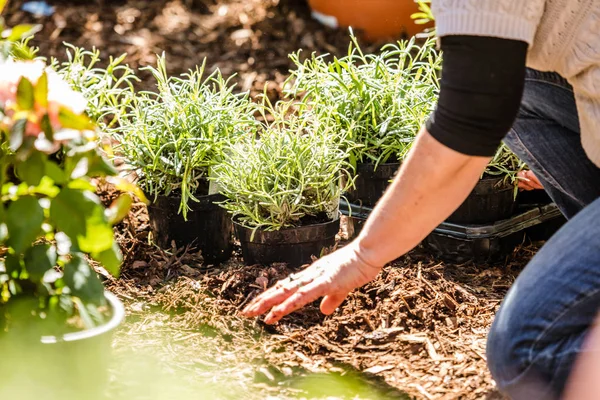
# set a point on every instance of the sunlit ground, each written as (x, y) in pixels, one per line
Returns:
(155, 360)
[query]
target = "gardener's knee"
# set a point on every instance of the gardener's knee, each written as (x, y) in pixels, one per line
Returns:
(506, 354)
(511, 352)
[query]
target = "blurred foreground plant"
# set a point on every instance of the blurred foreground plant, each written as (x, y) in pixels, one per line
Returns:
(50, 217)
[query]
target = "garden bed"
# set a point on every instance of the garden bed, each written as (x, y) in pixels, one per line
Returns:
(419, 328)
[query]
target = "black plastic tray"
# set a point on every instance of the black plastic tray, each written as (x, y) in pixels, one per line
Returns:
(481, 243)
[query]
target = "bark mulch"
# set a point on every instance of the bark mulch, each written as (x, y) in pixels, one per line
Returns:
(419, 328)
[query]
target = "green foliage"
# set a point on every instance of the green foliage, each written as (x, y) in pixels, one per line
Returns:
(505, 163)
(380, 101)
(51, 220)
(108, 91)
(291, 169)
(14, 40)
(172, 139)
(424, 16)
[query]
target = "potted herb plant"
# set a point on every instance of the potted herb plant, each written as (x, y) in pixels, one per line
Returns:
(56, 320)
(380, 101)
(282, 187)
(171, 140)
(107, 90)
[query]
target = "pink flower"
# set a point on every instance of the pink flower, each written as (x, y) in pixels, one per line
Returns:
(60, 95)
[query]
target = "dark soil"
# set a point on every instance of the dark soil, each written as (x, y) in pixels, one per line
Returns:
(320, 218)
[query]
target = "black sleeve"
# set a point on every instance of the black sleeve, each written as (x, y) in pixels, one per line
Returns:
(480, 92)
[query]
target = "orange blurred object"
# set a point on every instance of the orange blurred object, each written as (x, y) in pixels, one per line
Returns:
(377, 19)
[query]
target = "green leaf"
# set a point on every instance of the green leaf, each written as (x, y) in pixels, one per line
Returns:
(88, 322)
(17, 134)
(39, 259)
(24, 219)
(33, 169)
(66, 304)
(81, 184)
(83, 281)
(124, 185)
(110, 259)
(68, 119)
(68, 214)
(47, 127)
(40, 92)
(119, 209)
(20, 32)
(98, 166)
(80, 215)
(2, 5)
(25, 99)
(54, 172)
(13, 265)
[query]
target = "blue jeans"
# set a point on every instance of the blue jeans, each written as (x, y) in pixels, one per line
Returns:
(541, 326)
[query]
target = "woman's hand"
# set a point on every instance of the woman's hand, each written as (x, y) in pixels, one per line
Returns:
(528, 181)
(332, 277)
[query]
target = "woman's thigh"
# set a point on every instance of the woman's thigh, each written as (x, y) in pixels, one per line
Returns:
(540, 328)
(546, 136)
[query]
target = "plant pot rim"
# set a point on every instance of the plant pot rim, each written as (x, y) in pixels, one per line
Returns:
(118, 315)
(378, 164)
(178, 197)
(290, 229)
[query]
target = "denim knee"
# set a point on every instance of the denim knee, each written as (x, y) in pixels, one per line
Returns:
(509, 354)
(503, 349)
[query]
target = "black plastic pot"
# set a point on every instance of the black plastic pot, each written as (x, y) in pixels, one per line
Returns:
(533, 197)
(294, 246)
(493, 199)
(208, 227)
(371, 182)
(73, 366)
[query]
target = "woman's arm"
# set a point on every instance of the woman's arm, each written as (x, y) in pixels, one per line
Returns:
(433, 182)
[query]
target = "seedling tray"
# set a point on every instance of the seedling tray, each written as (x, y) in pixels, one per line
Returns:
(481, 243)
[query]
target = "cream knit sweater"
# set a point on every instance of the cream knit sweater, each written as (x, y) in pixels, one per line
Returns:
(563, 36)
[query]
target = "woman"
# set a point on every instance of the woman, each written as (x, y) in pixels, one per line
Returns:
(540, 328)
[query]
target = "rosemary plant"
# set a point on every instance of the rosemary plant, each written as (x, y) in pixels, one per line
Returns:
(505, 164)
(108, 90)
(379, 100)
(171, 139)
(289, 171)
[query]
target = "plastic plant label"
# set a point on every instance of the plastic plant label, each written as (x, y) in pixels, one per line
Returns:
(328, 20)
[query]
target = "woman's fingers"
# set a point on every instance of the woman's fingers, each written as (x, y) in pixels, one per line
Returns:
(331, 302)
(528, 181)
(278, 293)
(534, 181)
(302, 297)
(524, 185)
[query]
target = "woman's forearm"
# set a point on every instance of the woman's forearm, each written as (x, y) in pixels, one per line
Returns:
(431, 184)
